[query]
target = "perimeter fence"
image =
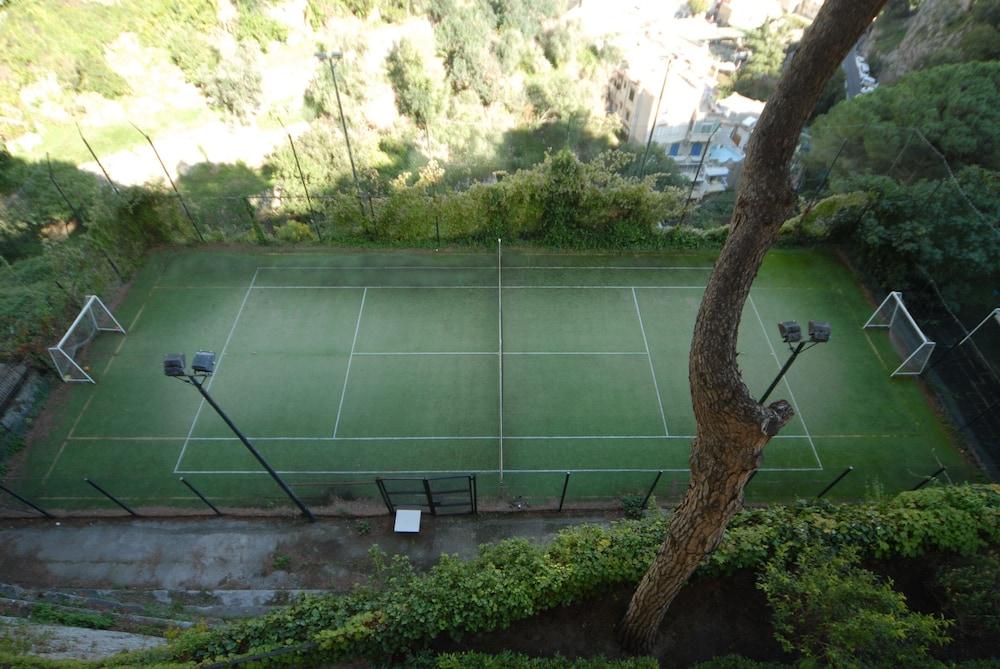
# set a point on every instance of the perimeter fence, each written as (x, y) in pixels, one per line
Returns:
(171, 495)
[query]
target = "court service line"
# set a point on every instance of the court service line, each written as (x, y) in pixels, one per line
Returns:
(791, 395)
(652, 371)
(383, 472)
(477, 437)
(394, 353)
(484, 267)
(218, 366)
(350, 359)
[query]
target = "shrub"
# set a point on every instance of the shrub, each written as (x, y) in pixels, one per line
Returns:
(515, 579)
(295, 232)
(971, 593)
(838, 615)
(508, 660)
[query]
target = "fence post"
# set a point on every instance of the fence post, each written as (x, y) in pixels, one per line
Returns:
(305, 189)
(180, 197)
(200, 496)
(430, 497)
(651, 488)
(98, 161)
(110, 496)
(928, 479)
(562, 498)
(21, 499)
(385, 495)
(472, 494)
(835, 482)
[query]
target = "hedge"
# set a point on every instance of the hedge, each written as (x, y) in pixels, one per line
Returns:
(514, 579)
(510, 660)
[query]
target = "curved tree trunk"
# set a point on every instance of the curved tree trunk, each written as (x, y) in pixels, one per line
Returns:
(732, 427)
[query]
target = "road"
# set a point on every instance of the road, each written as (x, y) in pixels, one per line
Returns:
(852, 73)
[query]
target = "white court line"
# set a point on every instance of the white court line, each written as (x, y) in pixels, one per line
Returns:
(404, 353)
(347, 374)
(542, 437)
(791, 395)
(462, 287)
(490, 267)
(384, 472)
(652, 372)
(392, 353)
(218, 365)
(500, 351)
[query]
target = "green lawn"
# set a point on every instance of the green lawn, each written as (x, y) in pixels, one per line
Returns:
(344, 366)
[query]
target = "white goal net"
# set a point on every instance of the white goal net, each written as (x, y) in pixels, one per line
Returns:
(904, 333)
(93, 319)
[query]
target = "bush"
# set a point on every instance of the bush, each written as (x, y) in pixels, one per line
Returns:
(515, 579)
(295, 232)
(971, 593)
(236, 86)
(836, 614)
(510, 660)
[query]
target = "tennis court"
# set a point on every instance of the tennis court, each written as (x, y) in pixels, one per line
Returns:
(517, 368)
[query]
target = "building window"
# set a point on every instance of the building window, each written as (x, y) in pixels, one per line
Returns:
(631, 94)
(706, 128)
(675, 148)
(627, 116)
(696, 149)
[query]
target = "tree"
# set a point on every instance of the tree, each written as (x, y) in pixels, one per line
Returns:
(767, 43)
(417, 95)
(732, 427)
(954, 106)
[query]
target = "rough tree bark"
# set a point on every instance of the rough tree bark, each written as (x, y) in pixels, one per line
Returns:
(732, 427)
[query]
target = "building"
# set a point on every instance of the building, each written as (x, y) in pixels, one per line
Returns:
(705, 137)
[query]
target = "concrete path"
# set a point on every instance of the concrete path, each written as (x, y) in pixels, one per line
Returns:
(238, 565)
(60, 642)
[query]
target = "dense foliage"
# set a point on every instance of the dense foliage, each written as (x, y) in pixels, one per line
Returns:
(515, 579)
(837, 614)
(417, 95)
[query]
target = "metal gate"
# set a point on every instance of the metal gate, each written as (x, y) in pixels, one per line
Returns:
(440, 495)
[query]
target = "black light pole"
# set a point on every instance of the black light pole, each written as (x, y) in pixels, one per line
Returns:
(330, 57)
(791, 333)
(203, 366)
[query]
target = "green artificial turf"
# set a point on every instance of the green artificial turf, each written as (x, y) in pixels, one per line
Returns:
(345, 366)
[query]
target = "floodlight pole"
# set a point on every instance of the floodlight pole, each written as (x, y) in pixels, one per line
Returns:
(329, 57)
(788, 363)
(253, 451)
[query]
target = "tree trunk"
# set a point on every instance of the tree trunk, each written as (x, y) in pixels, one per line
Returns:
(732, 428)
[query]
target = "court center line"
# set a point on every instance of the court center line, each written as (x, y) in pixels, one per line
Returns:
(652, 371)
(218, 366)
(500, 351)
(791, 395)
(350, 359)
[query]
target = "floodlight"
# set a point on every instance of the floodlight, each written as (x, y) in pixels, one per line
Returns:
(204, 362)
(819, 332)
(790, 331)
(173, 364)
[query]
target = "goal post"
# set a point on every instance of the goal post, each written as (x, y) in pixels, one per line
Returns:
(904, 333)
(94, 318)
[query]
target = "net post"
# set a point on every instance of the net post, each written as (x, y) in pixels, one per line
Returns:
(110, 496)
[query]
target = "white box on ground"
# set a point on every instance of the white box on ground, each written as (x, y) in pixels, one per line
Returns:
(407, 520)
